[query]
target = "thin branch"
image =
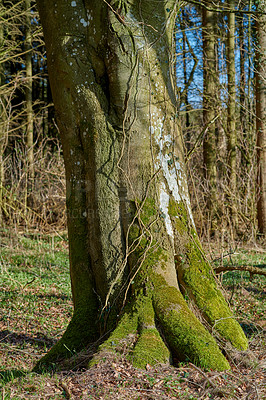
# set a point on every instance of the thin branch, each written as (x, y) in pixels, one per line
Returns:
(200, 137)
(253, 270)
(225, 10)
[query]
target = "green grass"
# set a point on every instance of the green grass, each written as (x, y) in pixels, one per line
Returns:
(36, 306)
(35, 298)
(246, 296)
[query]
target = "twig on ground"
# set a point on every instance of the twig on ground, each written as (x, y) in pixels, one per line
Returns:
(253, 270)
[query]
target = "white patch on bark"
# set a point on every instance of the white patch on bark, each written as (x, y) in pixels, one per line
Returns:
(164, 203)
(166, 161)
(73, 4)
(172, 171)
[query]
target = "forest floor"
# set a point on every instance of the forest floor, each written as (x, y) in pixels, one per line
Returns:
(36, 307)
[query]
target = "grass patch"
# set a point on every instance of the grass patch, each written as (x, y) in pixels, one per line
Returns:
(245, 293)
(35, 298)
(36, 307)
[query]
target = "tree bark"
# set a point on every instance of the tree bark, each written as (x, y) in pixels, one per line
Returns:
(243, 115)
(185, 76)
(261, 116)
(231, 112)
(209, 109)
(134, 251)
(28, 96)
(3, 132)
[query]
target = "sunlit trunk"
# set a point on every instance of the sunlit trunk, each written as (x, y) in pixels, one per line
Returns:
(3, 133)
(261, 116)
(231, 113)
(28, 95)
(209, 110)
(134, 251)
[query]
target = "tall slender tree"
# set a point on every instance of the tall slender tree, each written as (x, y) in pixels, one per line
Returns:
(209, 109)
(2, 109)
(231, 111)
(261, 114)
(28, 97)
(242, 80)
(185, 72)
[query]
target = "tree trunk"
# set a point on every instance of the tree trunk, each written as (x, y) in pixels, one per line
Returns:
(209, 109)
(185, 75)
(231, 112)
(28, 95)
(3, 133)
(245, 153)
(134, 251)
(261, 116)
(250, 70)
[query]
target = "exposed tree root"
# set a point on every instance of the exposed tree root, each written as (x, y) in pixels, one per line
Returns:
(186, 336)
(177, 331)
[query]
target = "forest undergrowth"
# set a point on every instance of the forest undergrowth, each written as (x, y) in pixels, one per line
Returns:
(36, 307)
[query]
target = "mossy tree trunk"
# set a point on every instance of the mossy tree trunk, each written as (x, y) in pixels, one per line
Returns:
(134, 251)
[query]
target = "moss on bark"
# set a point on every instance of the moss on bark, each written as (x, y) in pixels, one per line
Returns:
(150, 349)
(197, 279)
(122, 148)
(198, 282)
(186, 336)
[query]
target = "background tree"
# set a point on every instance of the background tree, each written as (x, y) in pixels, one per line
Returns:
(185, 91)
(189, 64)
(26, 116)
(8, 83)
(231, 111)
(134, 251)
(209, 108)
(2, 111)
(189, 107)
(261, 114)
(28, 98)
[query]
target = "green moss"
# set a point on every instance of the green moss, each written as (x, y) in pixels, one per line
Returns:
(146, 311)
(186, 336)
(126, 326)
(178, 210)
(149, 211)
(199, 281)
(150, 349)
(146, 252)
(121, 337)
